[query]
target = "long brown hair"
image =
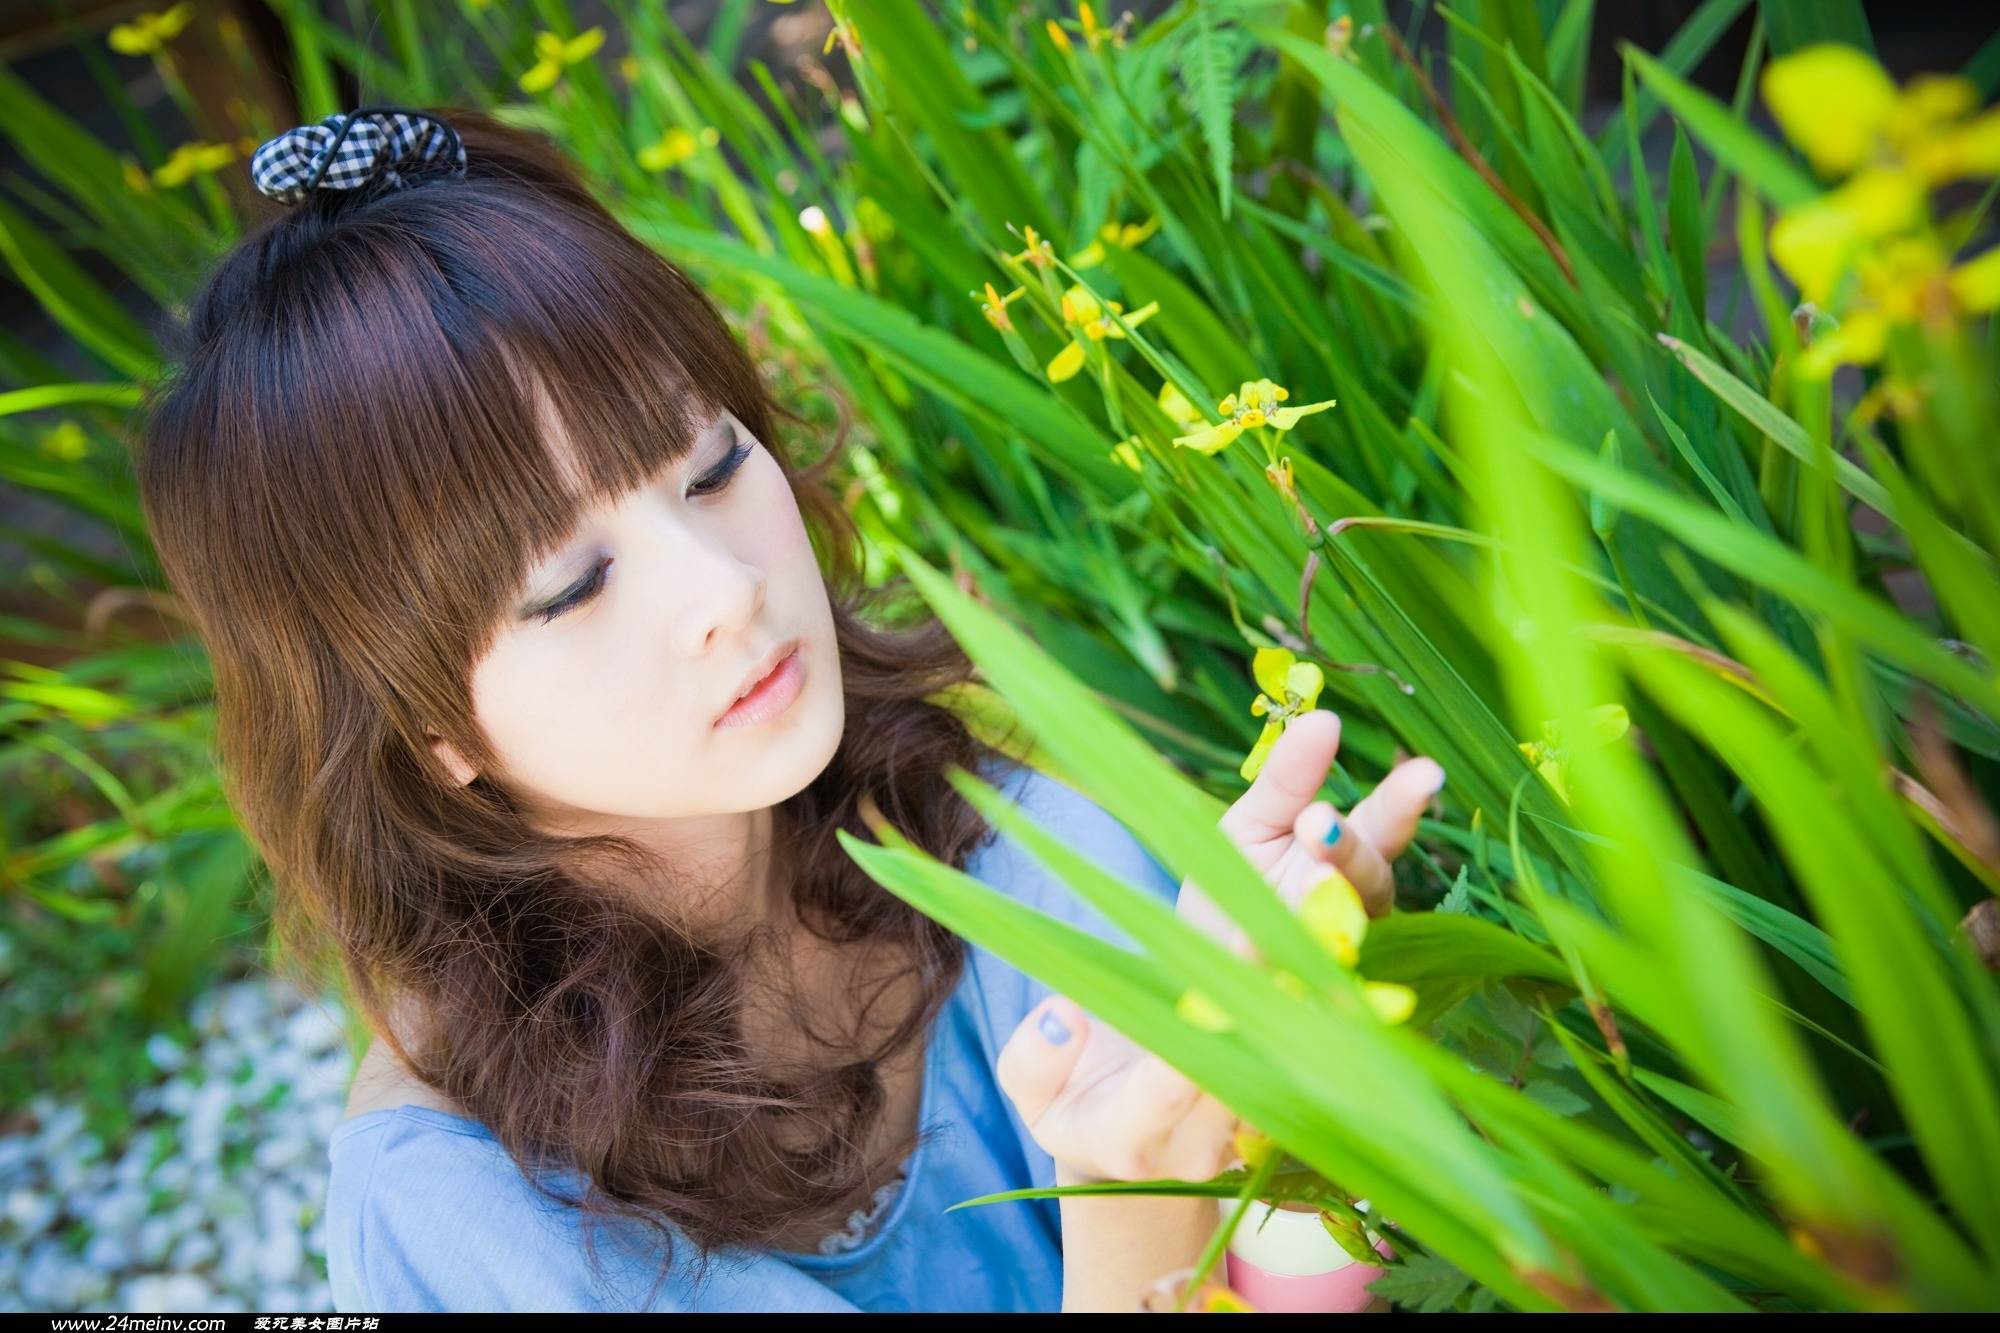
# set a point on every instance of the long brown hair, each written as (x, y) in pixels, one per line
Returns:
(345, 482)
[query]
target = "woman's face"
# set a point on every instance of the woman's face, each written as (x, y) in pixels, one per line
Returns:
(604, 692)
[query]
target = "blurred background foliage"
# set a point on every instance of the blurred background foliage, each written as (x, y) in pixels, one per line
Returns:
(1657, 502)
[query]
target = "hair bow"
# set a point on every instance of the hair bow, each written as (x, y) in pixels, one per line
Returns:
(349, 149)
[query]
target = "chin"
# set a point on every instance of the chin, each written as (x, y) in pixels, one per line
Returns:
(786, 753)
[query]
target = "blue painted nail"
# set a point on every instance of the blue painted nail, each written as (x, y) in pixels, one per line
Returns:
(1332, 835)
(1053, 1028)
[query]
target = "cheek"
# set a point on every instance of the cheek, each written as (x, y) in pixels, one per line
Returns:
(778, 526)
(562, 724)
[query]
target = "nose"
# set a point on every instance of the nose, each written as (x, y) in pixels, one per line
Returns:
(718, 593)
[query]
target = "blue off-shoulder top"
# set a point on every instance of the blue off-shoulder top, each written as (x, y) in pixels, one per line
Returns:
(426, 1212)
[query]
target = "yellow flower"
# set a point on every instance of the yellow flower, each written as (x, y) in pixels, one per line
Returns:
(819, 227)
(1200, 1011)
(1092, 321)
(1976, 285)
(1279, 474)
(1175, 404)
(191, 160)
(1831, 101)
(1340, 38)
(849, 40)
(150, 33)
(1392, 1003)
(136, 179)
(1892, 146)
(1334, 915)
(66, 442)
(1123, 236)
(994, 306)
(1605, 724)
(1059, 37)
(1907, 278)
(1840, 108)
(1253, 1146)
(1219, 1299)
(673, 148)
(1092, 34)
(1289, 687)
(1816, 242)
(1290, 984)
(554, 55)
(1255, 403)
(1126, 451)
(1037, 251)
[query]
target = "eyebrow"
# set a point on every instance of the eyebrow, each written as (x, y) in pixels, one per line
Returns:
(717, 425)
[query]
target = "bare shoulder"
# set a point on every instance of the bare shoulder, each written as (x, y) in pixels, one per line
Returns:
(383, 1082)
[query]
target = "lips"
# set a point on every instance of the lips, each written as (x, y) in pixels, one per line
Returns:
(759, 672)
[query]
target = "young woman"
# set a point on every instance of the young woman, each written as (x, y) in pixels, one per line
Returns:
(543, 684)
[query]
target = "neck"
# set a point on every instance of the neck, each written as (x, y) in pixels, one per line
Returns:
(725, 863)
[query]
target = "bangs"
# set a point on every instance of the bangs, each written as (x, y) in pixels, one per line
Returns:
(431, 396)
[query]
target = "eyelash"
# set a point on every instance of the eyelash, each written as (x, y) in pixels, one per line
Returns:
(724, 473)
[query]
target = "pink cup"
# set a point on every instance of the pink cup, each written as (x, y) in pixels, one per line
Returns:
(1290, 1265)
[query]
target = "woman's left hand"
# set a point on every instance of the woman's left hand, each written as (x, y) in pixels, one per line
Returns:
(1106, 1108)
(1280, 826)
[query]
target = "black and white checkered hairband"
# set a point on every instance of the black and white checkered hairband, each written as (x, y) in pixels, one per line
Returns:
(349, 149)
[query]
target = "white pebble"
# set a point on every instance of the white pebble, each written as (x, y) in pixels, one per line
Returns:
(172, 1175)
(196, 1249)
(31, 1212)
(17, 1157)
(313, 1029)
(238, 1267)
(120, 1210)
(67, 1174)
(58, 1127)
(171, 1293)
(242, 1239)
(287, 1148)
(152, 1242)
(245, 1010)
(166, 1054)
(281, 1255)
(52, 1279)
(109, 1251)
(176, 1097)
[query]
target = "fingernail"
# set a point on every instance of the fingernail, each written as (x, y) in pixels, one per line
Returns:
(1332, 835)
(1053, 1029)
(1438, 785)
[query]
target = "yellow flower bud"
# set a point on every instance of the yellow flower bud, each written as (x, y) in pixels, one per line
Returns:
(1200, 1011)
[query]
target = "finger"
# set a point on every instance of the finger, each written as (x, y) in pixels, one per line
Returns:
(1387, 817)
(1292, 775)
(1203, 1143)
(1335, 841)
(1140, 1120)
(1375, 832)
(1037, 1059)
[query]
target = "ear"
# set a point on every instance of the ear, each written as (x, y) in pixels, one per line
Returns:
(454, 763)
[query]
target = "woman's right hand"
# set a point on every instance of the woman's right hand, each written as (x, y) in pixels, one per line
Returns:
(1106, 1108)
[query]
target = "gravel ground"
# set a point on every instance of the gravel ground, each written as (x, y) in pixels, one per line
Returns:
(214, 1204)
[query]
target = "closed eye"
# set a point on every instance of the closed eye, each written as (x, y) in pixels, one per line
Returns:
(716, 480)
(583, 592)
(724, 472)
